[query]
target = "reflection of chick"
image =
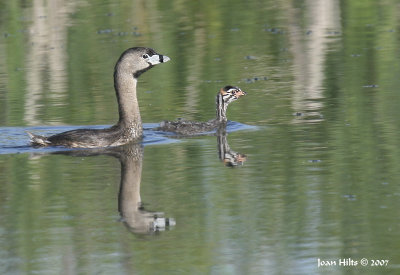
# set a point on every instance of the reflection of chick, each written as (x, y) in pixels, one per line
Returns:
(226, 155)
(224, 97)
(234, 159)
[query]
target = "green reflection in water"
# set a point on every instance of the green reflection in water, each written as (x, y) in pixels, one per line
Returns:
(318, 184)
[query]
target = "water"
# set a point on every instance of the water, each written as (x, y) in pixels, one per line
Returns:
(308, 171)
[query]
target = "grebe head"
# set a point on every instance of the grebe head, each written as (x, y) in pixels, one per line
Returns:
(231, 93)
(225, 96)
(137, 60)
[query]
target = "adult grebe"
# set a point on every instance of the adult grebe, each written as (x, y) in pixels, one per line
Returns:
(132, 63)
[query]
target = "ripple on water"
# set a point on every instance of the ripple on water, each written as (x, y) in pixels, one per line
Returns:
(14, 140)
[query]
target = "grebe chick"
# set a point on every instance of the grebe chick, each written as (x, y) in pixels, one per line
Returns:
(131, 64)
(224, 97)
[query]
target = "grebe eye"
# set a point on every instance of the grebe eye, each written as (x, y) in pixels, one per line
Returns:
(145, 56)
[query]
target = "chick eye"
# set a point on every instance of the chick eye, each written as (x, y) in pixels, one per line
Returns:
(145, 56)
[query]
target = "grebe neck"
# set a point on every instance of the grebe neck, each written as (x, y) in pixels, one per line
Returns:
(221, 108)
(128, 106)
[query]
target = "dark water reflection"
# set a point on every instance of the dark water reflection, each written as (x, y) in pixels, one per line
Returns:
(130, 205)
(316, 179)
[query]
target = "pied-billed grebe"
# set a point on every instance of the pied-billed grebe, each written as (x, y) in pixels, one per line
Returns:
(132, 63)
(225, 96)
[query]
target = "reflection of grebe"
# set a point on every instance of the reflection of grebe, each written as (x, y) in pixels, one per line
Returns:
(132, 63)
(225, 96)
(134, 216)
(229, 157)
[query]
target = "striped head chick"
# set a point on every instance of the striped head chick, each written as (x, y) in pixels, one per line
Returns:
(225, 96)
